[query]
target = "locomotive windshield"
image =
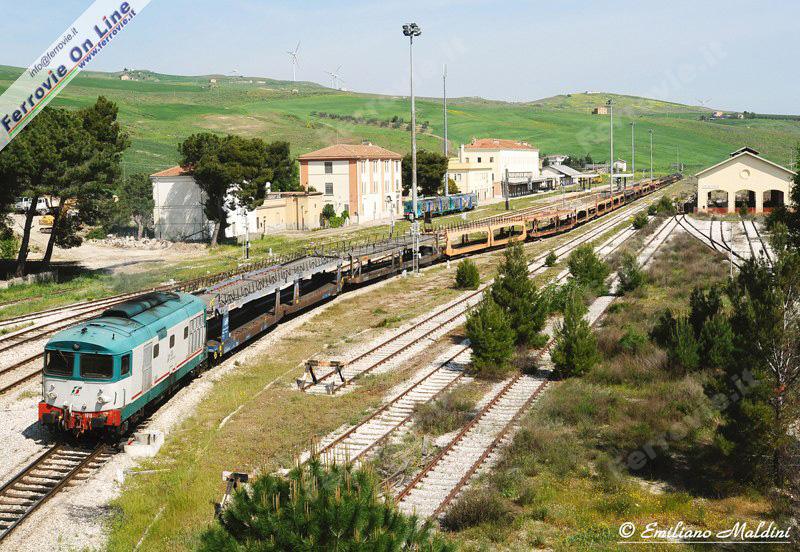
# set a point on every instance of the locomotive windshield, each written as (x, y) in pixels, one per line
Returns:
(59, 363)
(97, 366)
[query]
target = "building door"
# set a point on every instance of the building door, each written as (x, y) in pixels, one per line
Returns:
(147, 368)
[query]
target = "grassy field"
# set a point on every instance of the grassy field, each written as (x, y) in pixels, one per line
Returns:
(161, 110)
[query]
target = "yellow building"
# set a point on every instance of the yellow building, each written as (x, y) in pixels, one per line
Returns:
(289, 211)
(471, 178)
(744, 179)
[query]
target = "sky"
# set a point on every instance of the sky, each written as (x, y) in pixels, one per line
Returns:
(730, 54)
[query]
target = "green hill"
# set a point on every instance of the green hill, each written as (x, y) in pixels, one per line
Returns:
(159, 111)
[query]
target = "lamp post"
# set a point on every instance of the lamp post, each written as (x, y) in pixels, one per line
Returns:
(446, 145)
(633, 151)
(651, 155)
(611, 159)
(411, 30)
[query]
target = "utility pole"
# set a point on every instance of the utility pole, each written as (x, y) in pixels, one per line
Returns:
(411, 30)
(651, 154)
(611, 159)
(446, 145)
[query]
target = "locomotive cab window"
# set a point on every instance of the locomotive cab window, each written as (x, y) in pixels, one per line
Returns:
(59, 363)
(171, 341)
(97, 366)
(186, 332)
(155, 351)
(125, 365)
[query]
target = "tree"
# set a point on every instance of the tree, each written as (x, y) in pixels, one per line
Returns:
(46, 155)
(136, 202)
(491, 337)
(321, 508)
(629, 274)
(285, 176)
(792, 218)
(467, 275)
(640, 220)
(229, 170)
(765, 321)
(93, 174)
(431, 168)
(516, 294)
(684, 350)
(587, 268)
(575, 349)
(551, 259)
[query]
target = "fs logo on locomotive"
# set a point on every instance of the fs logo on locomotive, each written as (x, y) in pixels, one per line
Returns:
(62, 61)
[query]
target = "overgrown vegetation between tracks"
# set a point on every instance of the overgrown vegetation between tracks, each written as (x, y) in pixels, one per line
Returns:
(564, 483)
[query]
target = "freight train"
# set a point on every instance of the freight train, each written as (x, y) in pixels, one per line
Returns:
(100, 375)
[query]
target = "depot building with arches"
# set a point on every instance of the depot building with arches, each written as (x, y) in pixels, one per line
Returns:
(744, 179)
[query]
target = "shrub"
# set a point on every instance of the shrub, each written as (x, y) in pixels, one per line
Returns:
(9, 247)
(665, 206)
(684, 351)
(551, 259)
(652, 210)
(575, 350)
(492, 338)
(317, 508)
(446, 413)
(632, 341)
(467, 275)
(96, 234)
(629, 274)
(476, 506)
(328, 212)
(640, 220)
(587, 268)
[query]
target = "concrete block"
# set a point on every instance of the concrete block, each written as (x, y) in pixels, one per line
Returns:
(145, 444)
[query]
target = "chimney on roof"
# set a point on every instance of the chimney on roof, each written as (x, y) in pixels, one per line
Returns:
(461, 153)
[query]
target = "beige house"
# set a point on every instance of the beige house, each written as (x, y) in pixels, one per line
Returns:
(365, 180)
(745, 179)
(471, 178)
(518, 158)
(289, 211)
(600, 110)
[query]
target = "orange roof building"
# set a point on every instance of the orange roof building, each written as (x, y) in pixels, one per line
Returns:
(519, 160)
(365, 180)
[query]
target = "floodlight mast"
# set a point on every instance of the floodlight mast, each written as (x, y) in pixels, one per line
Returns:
(610, 105)
(411, 30)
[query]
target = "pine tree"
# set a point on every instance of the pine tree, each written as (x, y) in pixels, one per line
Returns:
(317, 508)
(492, 338)
(517, 295)
(629, 274)
(575, 350)
(587, 268)
(684, 351)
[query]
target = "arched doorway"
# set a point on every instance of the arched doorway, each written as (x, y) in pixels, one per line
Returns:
(773, 199)
(717, 202)
(745, 198)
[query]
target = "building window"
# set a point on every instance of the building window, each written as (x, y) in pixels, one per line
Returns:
(329, 188)
(479, 159)
(328, 167)
(491, 160)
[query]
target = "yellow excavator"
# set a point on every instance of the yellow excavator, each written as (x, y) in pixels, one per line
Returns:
(46, 222)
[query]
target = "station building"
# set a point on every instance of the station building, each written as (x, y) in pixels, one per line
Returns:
(744, 179)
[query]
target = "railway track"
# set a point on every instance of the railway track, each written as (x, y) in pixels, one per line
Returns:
(56, 469)
(444, 319)
(433, 489)
(754, 235)
(448, 371)
(708, 240)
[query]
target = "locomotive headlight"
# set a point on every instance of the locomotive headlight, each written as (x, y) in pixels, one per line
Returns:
(101, 398)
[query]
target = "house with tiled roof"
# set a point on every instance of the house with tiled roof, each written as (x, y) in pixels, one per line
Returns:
(363, 179)
(178, 206)
(517, 160)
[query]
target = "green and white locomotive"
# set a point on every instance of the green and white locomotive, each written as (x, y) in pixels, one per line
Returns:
(101, 374)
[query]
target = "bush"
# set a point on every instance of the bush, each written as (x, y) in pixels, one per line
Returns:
(467, 275)
(447, 413)
(632, 341)
(684, 351)
(9, 247)
(652, 210)
(476, 506)
(492, 338)
(640, 220)
(551, 259)
(587, 268)
(317, 508)
(328, 212)
(96, 234)
(629, 274)
(516, 294)
(665, 206)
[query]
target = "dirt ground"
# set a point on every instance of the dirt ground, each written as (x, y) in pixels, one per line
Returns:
(98, 255)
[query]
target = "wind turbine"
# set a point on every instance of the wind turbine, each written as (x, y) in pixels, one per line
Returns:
(336, 78)
(703, 102)
(294, 58)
